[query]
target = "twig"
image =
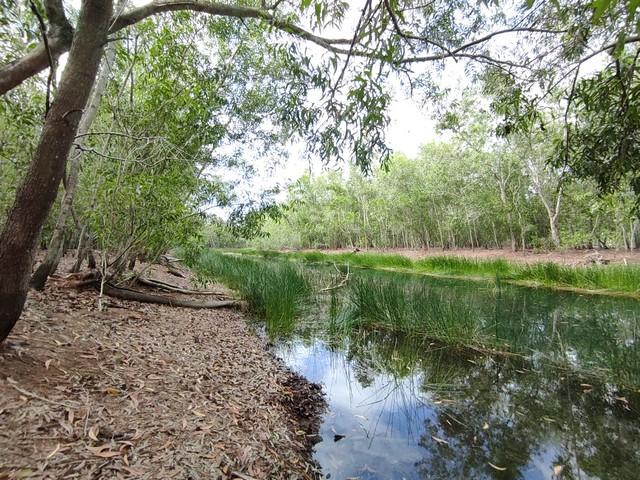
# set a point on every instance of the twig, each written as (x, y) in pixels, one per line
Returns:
(45, 40)
(243, 476)
(38, 397)
(342, 283)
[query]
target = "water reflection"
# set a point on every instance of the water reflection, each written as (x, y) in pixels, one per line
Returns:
(410, 408)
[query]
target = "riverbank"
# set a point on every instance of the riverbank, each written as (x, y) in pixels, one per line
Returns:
(589, 277)
(148, 391)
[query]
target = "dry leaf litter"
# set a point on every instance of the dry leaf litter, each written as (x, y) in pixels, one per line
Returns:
(148, 392)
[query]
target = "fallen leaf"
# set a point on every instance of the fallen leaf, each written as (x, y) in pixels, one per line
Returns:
(485, 426)
(24, 473)
(93, 432)
(103, 451)
(496, 467)
(114, 392)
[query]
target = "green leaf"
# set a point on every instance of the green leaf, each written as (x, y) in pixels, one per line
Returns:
(600, 8)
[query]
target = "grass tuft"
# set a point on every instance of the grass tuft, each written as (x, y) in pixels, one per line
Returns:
(276, 291)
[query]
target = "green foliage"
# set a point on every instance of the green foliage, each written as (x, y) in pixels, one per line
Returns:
(467, 193)
(21, 114)
(603, 142)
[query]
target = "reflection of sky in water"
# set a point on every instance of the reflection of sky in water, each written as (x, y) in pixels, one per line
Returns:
(387, 426)
(382, 422)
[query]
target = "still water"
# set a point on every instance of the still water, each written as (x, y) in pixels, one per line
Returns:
(565, 406)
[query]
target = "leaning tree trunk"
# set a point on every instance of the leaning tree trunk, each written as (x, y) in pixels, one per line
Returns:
(56, 245)
(39, 188)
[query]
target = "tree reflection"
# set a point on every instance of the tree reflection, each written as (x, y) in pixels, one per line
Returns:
(500, 412)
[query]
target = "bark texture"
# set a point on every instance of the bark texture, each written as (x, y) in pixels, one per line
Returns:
(39, 188)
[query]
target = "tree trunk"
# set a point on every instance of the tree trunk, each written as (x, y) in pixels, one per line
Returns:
(56, 245)
(39, 188)
(495, 235)
(80, 251)
(512, 234)
(555, 232)
(625, 241)
(635, 232)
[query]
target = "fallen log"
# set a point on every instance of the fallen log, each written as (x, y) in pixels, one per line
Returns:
(128, 294)
(152, 282)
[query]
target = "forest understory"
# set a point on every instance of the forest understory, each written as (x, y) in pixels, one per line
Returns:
(148, 391)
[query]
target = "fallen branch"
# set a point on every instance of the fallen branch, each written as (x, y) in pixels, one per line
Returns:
(341, 284)
(128, 294)
(27, 393)
(152, 282)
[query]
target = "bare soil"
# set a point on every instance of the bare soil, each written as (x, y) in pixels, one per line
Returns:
(563, 257)
(147, 392)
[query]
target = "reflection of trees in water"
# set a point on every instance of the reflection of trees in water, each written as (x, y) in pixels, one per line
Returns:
(495, 410)
(580, 332)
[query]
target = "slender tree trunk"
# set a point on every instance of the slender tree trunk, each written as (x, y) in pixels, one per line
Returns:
(624, 237)
(495, 235)
(81, 251)
(39, 188)
(553, 215)
(635, 231)
(512, 234)
(470, 233)
(56, 245)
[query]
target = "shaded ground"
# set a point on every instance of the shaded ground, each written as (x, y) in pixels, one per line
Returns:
(565, 257)
(147, 391)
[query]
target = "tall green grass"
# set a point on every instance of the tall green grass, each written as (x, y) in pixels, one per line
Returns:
(624, 279)
(620, 278)
(408, 308)
(276, 291)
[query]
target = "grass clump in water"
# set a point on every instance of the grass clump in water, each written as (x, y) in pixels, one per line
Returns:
(411, 308)
(275, 291)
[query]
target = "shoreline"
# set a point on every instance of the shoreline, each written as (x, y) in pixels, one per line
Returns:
(149, 391)
(569, 277)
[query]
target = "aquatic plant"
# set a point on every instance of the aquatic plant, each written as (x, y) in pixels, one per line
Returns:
(275, 291)
(412, 308)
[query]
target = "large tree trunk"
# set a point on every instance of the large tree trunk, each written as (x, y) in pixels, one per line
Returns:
(56, 245)
(39, 188)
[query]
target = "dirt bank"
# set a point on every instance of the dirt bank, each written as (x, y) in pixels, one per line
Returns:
(563, 257)
(147, 391)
